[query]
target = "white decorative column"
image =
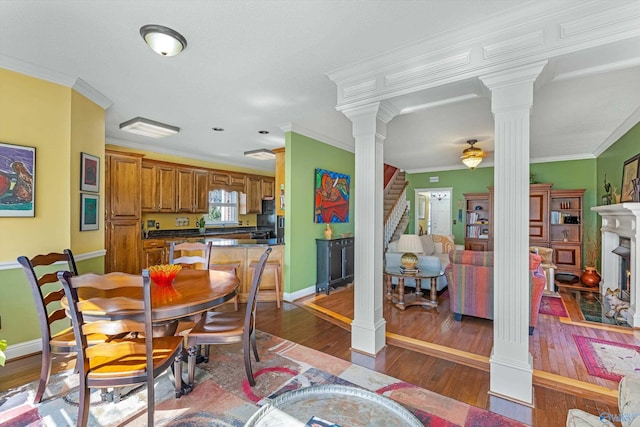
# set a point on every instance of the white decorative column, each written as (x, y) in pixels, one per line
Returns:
(511, 362)
(369, 130)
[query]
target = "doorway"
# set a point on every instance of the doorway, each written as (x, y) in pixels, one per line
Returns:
(433, 210)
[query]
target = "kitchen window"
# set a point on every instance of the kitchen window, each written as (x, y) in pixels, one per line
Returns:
(223, 207)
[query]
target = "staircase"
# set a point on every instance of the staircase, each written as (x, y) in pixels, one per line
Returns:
(396, 209)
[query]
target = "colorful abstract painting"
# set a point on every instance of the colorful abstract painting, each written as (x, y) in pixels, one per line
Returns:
(331, 196)
(17, 180)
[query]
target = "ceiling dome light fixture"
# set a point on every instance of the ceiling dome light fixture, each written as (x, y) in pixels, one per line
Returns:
(472, 156)
(163, 40)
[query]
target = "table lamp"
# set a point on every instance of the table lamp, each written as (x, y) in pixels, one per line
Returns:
(411, 245)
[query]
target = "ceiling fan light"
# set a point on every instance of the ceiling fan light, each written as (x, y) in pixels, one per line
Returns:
(163, 40)
(472, 156)
(472, 162)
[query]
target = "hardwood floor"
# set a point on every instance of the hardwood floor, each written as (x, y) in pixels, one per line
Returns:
(434, 352)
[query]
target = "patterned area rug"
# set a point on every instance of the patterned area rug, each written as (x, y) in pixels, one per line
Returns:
(553, 305)
(222, 396)
(607, 359)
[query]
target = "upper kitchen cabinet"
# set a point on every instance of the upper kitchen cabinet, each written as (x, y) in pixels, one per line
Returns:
(193, 190)
(254, 194)
(158, 187)
(122, 186)
(268, 187)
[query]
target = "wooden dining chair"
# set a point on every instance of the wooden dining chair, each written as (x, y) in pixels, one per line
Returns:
(137, 358)
(47, 293)
(194, 255)
(231, 267)
(223, 327)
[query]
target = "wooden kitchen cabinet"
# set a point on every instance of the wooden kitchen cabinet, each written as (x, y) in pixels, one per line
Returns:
(153, 252)
(192, 190)
(122, 186)
(185, 190)
(254, 194)
(268, 188)
(200, 191)
(158, 184)
(122, 213)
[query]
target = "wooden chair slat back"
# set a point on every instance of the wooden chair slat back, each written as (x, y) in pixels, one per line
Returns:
(194, 254)
(252, 301)
(107, 282)
(38, 272)
(113, 327)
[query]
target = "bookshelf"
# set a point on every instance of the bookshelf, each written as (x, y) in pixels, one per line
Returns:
(477, 222)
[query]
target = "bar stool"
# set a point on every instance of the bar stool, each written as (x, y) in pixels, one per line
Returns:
(273, 267)
(231, 267)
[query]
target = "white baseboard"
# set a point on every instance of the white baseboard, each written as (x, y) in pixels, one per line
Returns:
(22, 349)
(290, 297)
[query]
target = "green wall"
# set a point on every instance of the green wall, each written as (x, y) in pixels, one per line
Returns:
(303, 156)
(563, 175)
(610, 162)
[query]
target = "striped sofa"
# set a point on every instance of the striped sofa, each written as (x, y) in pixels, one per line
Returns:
(470, 278)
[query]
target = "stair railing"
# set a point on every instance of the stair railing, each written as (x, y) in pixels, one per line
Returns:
(393, 218)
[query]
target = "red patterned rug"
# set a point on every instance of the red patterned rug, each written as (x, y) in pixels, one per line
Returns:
(608, 359)
(553, 306)
(222, 396)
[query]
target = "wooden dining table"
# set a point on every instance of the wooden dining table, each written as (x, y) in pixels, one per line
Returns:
(192, 292)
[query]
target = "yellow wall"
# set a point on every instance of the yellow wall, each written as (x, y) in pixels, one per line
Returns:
(87, 136)
(59, 123)
(36, 113)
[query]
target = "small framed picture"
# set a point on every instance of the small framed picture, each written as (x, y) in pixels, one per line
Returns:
(89, 208)
(630, 170)
(89, 173)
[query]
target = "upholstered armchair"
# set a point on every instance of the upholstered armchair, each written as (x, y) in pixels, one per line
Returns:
(470, 278)
(547, 265)
(628, 406)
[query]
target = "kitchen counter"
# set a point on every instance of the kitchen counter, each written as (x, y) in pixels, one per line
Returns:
(221, 242)
(193, 232)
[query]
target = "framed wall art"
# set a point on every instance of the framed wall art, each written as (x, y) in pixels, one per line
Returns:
(629, 173)
(89, 173)
(17, 180)
(332, 191)
(89, 205)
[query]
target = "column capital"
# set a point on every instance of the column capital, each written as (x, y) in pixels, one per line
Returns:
(513, 76)
(371, 119)
(512, 89)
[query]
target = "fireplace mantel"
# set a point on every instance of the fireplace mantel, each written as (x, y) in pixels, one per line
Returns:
(620, 220)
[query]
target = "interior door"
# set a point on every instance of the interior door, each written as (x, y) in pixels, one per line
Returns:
(435, 217)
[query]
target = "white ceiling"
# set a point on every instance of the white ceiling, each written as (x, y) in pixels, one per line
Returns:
(255, 65)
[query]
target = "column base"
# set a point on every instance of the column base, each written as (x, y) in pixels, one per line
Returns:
(512, 381)
(368, 338)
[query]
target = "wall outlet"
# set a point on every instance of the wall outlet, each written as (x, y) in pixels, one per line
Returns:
(182, 221)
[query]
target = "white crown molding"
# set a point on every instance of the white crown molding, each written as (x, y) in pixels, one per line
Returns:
(170, 152)
(36, 71)
(42, 73)
(91, 93)
(625, 126)
(11, 265)
(294, 127)
(534, 32)
(487, 164)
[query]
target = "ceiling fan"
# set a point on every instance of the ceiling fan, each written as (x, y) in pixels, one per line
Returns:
(472, 156)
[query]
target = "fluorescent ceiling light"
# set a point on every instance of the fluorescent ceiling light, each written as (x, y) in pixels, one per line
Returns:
(163, 40)
(150, 128)
(261, 154)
